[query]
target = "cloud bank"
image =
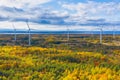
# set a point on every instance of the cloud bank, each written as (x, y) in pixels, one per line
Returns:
(59, 13)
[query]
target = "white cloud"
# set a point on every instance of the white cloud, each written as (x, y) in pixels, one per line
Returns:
(26, 5)
(93, 10)
(33, 26)
(22, 3)
(9, 25)
(40, 27)
(75, 12)
(59, 13)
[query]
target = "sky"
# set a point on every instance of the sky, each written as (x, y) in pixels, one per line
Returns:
(58, 14)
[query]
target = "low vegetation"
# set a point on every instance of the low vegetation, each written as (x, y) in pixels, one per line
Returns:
(54, 58)
(36, 63)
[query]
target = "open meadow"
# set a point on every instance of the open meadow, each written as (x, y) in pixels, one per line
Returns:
(52, 57)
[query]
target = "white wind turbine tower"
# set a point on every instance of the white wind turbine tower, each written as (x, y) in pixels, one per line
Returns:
(14, 29)
(15, 34)
(29, 33)
(101, 33)
(114, 28)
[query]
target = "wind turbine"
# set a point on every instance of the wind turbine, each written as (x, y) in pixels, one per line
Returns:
(14, 29)
(101, 33)
(15, 35)
(29, 32)
(114, 32)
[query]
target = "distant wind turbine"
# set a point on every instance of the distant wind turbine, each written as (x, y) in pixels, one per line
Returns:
(113, 32)
(101, 33)
(10, 20)
(29, 32)
(15, 35)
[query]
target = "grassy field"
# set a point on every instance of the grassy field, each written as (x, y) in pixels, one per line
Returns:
(54, 58)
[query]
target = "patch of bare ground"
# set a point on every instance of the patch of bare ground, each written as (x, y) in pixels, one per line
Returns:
(113, 43)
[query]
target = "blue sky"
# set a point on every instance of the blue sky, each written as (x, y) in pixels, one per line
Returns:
(57, 14)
